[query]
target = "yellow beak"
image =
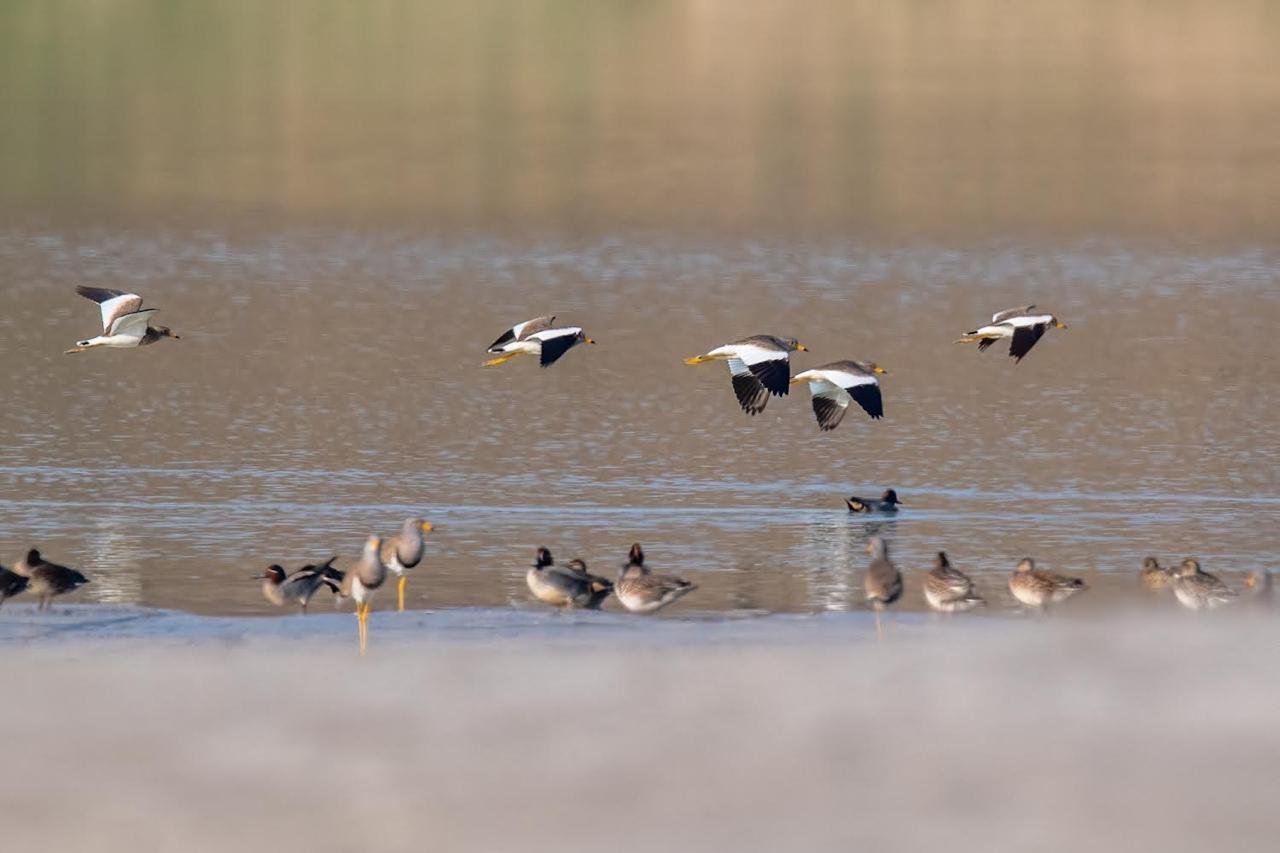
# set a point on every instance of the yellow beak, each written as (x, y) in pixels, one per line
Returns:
(802, 348)
(589, 341)
(427, 527)
(879, 370)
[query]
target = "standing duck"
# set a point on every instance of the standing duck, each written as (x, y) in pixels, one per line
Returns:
(1198, 590)
(281, 589)
(1154, 576)
(1039, 588)
(883, 583)
(404, 551)
(887, 503)
(566, 586)
(46, 580)
(642, 591)
(949, 590)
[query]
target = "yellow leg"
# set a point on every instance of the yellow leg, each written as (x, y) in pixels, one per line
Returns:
(501, 359)
(362, 614)
(400, 591)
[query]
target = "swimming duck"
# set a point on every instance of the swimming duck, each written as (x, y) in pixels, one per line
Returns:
(832, 387)
(1039, 588)
(124, 322)
(566, 586)
(404, 551)
(1198, 590)
(1022, 327)
(888, 503)
(759, 366)
(47, 580)
(949, 590)
(642, 591)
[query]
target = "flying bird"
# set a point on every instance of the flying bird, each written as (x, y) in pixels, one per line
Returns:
(834, 386)
(1019, 325)
(124, 321)
(760, 365)
(537, 337)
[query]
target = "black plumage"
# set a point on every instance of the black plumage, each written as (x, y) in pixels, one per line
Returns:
(751, 394)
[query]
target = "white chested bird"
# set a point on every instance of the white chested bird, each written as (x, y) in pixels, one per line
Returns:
(759, 365)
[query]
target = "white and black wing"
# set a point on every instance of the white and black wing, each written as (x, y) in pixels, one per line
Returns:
(521, 331)
(555, 343)
(770, 365)
(132, 325)
(752, 395)
(867, 395)
(1024, 338)
(1001, 316)
(113, 303)
(835, 386)
(830, 402)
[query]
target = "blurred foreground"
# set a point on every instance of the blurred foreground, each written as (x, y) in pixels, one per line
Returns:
(580, 733)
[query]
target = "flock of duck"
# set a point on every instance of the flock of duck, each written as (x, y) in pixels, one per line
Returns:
(759, 368)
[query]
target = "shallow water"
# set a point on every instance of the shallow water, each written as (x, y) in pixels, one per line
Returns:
(336, 256)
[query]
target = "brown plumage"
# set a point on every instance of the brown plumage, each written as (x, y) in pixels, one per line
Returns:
(1039, 588)
(949, 590)
(46, 580)
(883, 582)
(1155, 577)
(1258, 586)
(642, 591)
(1198, 590)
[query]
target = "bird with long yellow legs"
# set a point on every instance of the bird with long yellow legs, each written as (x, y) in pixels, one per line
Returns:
(404, 551)
(360, 581)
